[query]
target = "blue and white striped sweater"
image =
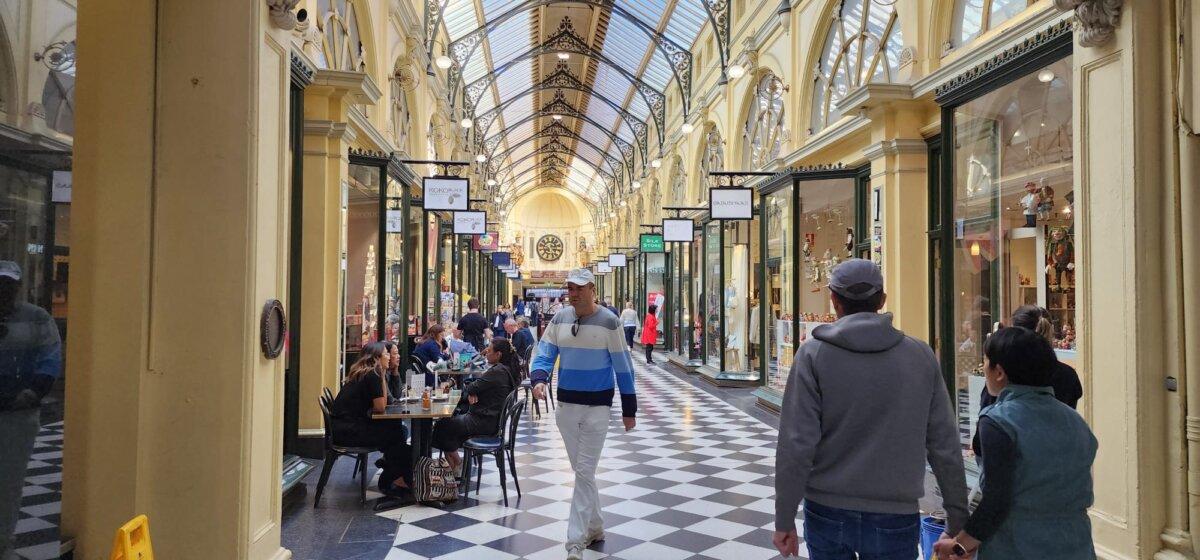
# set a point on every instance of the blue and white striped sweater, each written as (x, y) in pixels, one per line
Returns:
(591, 362)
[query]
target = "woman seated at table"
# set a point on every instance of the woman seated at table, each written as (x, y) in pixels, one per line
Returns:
(363, 393)
(485, 397)
(430, 350)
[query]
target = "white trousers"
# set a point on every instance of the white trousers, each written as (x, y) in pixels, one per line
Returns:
(583, 430)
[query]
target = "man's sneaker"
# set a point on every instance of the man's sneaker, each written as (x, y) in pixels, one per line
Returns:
(594, 536)
(575, 552)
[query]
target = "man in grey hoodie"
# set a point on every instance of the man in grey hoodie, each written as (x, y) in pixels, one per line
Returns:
(865, 408)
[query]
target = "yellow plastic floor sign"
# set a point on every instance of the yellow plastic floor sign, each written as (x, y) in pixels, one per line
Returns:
(133, 541)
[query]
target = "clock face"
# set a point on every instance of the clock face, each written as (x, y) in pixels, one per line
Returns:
(550, 248)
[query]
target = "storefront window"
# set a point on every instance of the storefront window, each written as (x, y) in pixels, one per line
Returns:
(394, 279)
(415, 231)
(1014, 229)
(445, 278)
(24, 229)
(656, 287)
(781, 255)
(714, 292)
(696, 301)
(735, 294)
(680, 285)
(361, 267)
(827, 220)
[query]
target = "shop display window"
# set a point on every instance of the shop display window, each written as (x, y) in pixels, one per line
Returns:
(414, 234)
(362, 271)
(25, 215)
(735, 294)
(678, 299)
(656, 286)
(827, 217)
(1013, 226)
(394, 281)
(696, 298)
(713, 294)
(446, 298)
(780, 286)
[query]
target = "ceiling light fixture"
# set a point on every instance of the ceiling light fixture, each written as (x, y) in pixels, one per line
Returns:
(637, 185)
(736, 71)
(492, 183)
(481, 158)
(1046, 76)
(466, 122)
(623, 202)
(656, 163)
(443, 62)
(688, 128)
(556, 117)
(564, 56)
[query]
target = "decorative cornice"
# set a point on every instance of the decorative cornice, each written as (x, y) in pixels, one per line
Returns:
(1096, 20)
(302, 68)
(329, 129)
(895, 147)
(383, 157)
(872, 95)
(840, 130)
(1004, 59)
(361, 125)
(358, 85)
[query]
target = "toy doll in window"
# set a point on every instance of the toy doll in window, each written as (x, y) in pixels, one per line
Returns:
(1060, 259)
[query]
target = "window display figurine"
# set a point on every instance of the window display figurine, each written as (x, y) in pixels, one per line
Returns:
(1060, 257)
(1045, 201)
(849, 243)
(1030, 203)
(1067, 342)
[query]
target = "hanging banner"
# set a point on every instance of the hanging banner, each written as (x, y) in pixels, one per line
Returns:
(603, 267)
(445, 193)
(395, 221)
(501, 258)
(651, 243)
(487, 242)
(471, 222)
(677, 230)
(731, 204)
(617, 260)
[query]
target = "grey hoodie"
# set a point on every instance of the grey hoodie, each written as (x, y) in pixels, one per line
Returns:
(865, 408)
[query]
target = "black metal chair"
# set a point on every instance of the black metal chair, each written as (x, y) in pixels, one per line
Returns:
(502, 446)
(333, 451)
(527, 385)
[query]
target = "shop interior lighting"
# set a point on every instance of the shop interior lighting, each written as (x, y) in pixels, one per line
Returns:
(688, 128)
(1046, 76)
(974, 248)
(736, 71)
(443, 62)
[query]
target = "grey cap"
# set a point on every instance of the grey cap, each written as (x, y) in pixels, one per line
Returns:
(10, 269)
(856, 279)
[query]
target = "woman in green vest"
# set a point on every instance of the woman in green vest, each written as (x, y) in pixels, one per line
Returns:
(1037, 460)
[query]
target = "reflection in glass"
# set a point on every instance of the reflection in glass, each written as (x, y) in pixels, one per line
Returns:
(735, 294)
(713, 293)
(656, 285)
(361, 317)
(781, 255)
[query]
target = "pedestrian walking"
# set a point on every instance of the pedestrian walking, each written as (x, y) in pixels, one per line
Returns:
(473, 325)
(592, 359)
(865, 407)
(1037, 462)
(629, 321)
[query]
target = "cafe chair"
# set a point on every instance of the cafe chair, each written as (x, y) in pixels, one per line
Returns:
(535, 413)
(333, 451)
(502, 446)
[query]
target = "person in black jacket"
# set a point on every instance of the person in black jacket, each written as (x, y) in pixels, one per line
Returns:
(485, 397)
(472, 325)
(365, 392)
(522, 339)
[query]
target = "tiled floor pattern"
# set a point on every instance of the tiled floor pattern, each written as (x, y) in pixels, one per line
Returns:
(693, 480)
(37, 535)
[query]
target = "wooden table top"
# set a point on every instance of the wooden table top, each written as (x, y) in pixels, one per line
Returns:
(414, 410)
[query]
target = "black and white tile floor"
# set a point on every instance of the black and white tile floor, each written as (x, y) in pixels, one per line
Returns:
(37, 535)
(693, 480)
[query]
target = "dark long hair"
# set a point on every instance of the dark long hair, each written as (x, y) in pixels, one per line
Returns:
(387, 347)
(370, 359)
(508, 358)
(1036, 319)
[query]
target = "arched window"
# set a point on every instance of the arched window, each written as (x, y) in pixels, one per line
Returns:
(974, 17)
(678, 182)
(863, 45)
(713, 158)
(765, 131)
(341, 43)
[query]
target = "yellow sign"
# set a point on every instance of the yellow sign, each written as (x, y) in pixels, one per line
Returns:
(133, 541)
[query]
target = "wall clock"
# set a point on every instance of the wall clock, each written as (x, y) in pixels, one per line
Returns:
(549, 248)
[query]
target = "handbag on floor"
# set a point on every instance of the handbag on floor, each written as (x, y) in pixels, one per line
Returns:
(434, 480)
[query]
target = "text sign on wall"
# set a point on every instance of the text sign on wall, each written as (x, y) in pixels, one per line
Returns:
(677, 230)
(603, 267)
(471, 222)
(395, 221)
(651, 243)
(61, 186)
(731, 204)
(445, 193)
(617, 260)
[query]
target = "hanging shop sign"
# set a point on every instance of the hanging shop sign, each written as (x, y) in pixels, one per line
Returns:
(445, 193)
(487, 242)
(617, 260)
(470, 222)
(651, 243)
(731, 203)
(395, 221)
(548, 276)
(603, 267)
(677, 230)
(513, 275)
(60, 186)
(501, 258)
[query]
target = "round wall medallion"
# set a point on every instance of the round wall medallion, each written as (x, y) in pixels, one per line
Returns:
(550, 248)
(273, 329)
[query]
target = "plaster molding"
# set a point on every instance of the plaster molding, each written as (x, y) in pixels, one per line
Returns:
(329, 129)
(1096, 20)
(1004, 58)
(302, 67)
(358, 85)
(979, 53)
(361, 125)
(281, 13)
(840, 130)
(896, 147)
(873, 95)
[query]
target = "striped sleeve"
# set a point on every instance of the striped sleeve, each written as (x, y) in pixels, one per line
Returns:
(547, 352)
(623, 369)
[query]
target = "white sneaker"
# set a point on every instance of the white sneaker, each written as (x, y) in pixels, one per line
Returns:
(593, 536)
(575, 552)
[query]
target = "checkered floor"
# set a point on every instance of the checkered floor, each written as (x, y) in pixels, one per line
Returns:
(693, 480)
(37, 536)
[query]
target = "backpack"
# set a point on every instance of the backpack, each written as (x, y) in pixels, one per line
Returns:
(434, 480)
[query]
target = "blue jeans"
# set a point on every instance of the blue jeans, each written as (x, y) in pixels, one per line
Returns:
(838, 534)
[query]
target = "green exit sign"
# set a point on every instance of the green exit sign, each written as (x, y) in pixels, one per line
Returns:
(651, 243)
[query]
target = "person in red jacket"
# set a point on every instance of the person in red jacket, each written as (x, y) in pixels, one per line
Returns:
(650, 332)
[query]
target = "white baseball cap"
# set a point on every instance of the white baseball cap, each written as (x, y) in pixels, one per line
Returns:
(581, 277)
(9, 269)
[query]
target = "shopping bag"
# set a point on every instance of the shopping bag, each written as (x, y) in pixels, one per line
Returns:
(435, 480)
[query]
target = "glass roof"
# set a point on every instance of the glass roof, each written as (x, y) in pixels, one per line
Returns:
(513, 29)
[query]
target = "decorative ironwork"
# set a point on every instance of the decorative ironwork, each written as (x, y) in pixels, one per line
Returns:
(1003, 60)
(341, 47)
(555, 132)
(302, 72)
(718, 16)
(433, 20)
(854, 55)
(58, 57)
(765, 130)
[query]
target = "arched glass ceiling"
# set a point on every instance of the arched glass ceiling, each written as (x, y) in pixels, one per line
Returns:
(624, 40)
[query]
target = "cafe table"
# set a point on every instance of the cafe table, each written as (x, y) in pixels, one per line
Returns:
(421, 420)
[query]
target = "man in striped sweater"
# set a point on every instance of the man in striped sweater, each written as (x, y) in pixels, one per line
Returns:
(589, 343)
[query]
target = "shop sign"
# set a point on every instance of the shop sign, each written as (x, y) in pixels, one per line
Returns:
(395, 221)
(603, 267)
(651, 243)
(677, 230)
(731, 204)
(548, 276)
(617, 260)
(512, 275)
(471, 222)
(501, 258)
(445, 193)
(487, 242)
(61, 186)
